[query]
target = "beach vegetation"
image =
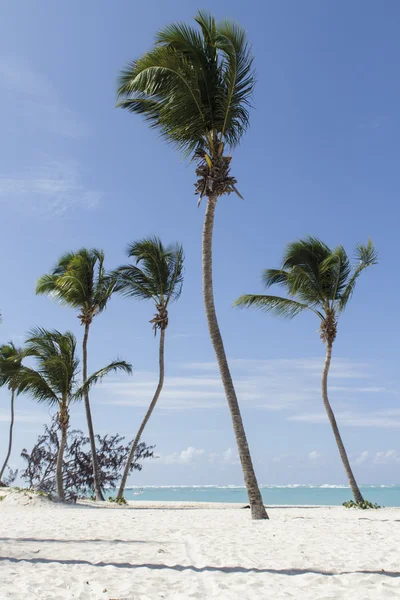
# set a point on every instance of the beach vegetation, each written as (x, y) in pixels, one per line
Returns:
(155, 274)
(322, 281)
(79, 281)
(194, 87)
(54, 381)
(10, 365)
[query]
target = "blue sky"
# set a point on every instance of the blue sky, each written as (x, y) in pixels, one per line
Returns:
(321, 157)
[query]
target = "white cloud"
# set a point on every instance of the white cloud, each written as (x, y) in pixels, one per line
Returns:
(388, 457)
(314, 455)
(54, 188)
(386, 419)
(20, 417)
(33, 97)
(228, 457)
(184, 457)
(275, 385)
(361, 458)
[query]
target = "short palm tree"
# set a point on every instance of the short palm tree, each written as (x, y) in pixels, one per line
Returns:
(321, 280)
(157, 275)
(194, 87)
(54, 382)
(79, 281)
(10, 365)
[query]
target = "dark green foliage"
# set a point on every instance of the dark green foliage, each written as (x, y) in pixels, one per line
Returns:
(79, 280)
(157, 272)
(10, 364)
(117, 500)
(364, 505)
(55, 379)
(315, 277)
(194, 85)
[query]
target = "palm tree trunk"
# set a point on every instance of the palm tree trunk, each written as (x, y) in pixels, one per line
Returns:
(136, 441)
(342, 451)
(60, 458)
(10, 435)
(256, 503)
(96, 479)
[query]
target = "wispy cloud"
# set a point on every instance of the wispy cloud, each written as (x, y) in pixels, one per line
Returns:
(314, 455)
(185, 457)
(33, 97)
(20, 417)
(387, 419)
(386, 458)
(54, 188)
(362, 458)
(191, 455)
(290, 385)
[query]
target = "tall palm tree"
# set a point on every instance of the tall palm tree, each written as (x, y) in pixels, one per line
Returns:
(321, 280)
(10, 365)
(157, 275)
(79, 280)
(54, 382)
(194, 87)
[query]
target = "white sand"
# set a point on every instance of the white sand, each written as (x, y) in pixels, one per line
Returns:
(53, 552)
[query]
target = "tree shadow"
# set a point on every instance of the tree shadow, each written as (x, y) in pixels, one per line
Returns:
(207, 568)
(92, 541)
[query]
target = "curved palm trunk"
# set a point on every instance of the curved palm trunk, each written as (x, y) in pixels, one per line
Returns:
(136, 441)
(342, 451)
(97, 487)
(60, 458)
(10, 435)
(256, 504)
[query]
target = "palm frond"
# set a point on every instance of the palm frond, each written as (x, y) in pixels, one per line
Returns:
(274, 276)
(366, 255)
(157, 274)
(130, 281)
(334, 274)
(10, 364)
(56, 358)
(35, 384)
(79, 280)
(280, 307)
(239, 79)
(194, 86)
(117, 365)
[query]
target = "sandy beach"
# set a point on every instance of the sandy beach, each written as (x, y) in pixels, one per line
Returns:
(55, 552)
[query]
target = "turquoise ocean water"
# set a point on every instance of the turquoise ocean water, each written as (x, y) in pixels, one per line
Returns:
(327, 495)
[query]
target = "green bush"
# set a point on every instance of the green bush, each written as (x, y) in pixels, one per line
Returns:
(364, 505)
(117, 500)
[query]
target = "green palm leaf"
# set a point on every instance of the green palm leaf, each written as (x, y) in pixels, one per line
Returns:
(281, 307)
(157, 273)
(194, 86)
(315, 278)
(117, 365)
(79, 280)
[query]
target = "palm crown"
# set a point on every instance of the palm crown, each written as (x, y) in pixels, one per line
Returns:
(194, 86)
(157, 274)
(316, 278)
(55, 379)
(10, 364)
(79, 280)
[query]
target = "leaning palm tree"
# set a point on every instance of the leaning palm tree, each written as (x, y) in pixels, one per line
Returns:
(194, 87)
(54, 381)
(10, 365)
(321, 280)
(79, 281)
(157, 275)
